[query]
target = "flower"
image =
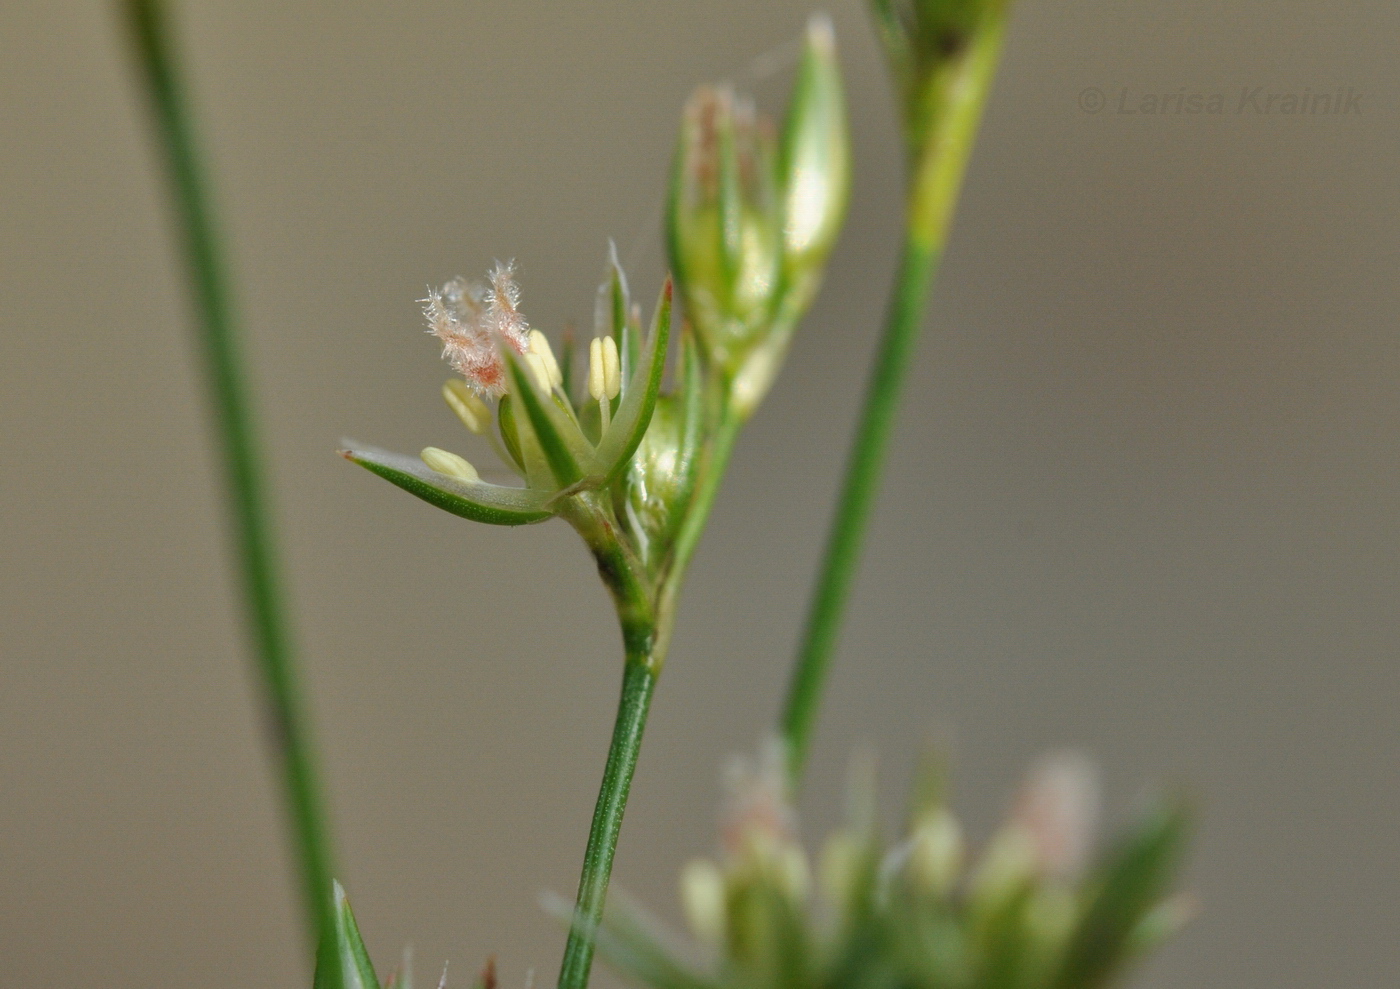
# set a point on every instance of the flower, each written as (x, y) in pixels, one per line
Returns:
(562, 445)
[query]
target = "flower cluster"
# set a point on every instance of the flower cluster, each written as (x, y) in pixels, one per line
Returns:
(1035, 910)
(752, 219)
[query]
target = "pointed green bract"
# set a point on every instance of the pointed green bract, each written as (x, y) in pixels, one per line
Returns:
(816, 157)
(356, 969)
(639, 397)
(559, 437)
(481, 502)
(1128, 886)
(510, 435)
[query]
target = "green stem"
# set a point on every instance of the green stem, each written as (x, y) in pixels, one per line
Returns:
(646, 636)
(638, 683)
(935, 177)
(245, 490)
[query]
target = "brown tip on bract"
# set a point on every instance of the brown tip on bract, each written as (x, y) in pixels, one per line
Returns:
(487, 979)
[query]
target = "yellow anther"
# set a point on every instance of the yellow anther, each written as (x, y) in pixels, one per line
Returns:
(539, 345)
(612, 368)
(538, 370)
(474, 413)
(597, 375)
(449, 463)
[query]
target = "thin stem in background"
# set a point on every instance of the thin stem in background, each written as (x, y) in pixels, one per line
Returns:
(245, 488)
(935, 179)
(638, 684)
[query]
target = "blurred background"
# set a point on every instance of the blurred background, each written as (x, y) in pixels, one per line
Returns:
(1143, 499)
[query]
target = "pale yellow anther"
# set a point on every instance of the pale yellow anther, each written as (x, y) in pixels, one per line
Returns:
(539, 345)
(538, 370)
(445, 462)
(474, 413)
(597, 375)
(612, 368)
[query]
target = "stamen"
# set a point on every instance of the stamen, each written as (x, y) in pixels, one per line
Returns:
(612, 369)
(445, 462)
(474, 413)
(597, 374)
(539, 345)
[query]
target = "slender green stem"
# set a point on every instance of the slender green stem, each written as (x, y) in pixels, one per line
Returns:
(646, 635)
(245, 489)
(638, 683)
(935, 177)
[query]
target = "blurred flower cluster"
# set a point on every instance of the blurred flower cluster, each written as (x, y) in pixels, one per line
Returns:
(1037, 908)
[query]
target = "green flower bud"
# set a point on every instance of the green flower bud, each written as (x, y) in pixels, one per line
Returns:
(930, 44)
(935, 853)
(752, 218)
(725, 226)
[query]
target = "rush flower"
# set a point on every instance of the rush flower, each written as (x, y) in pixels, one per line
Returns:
(918, 913)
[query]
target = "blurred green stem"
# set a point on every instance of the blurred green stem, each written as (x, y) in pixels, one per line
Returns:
(245, 491)
(934, 178)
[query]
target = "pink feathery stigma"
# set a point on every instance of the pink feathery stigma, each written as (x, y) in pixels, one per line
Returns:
(756, 802)
(1058, 807)
(469, 320)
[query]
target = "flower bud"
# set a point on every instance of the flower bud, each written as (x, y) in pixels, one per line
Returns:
(752, 218)
(725, 220)
(928, 44)
(1059, 810)
(702, 896)
(935, 853)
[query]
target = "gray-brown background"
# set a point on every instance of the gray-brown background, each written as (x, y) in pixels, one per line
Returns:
(1143, 500)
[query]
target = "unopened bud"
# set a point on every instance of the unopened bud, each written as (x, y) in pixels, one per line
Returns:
(724, 221)
(474, 413)
(446, 462)
(1007, 864)
(936, 853)
(702, 897)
